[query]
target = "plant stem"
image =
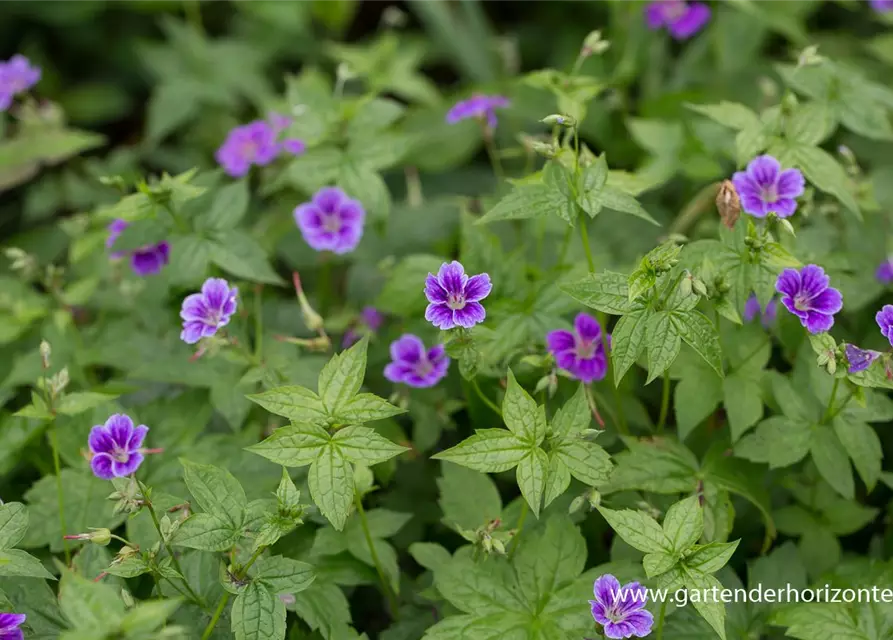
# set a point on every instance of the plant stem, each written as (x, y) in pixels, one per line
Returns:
(174, 560)
(386, 586)
(484, 398)
(664, 403)
(57, 467)
(660, 620)
(515, 542)
(829, 412)
(213, 623)
(258, 322)
(584, 237)
(325, 283)
(495, 162)
(565, 245)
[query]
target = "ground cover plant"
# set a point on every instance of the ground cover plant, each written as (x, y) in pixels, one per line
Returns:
(446, 320)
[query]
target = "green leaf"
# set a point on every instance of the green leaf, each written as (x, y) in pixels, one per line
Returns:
(140, 233)
(694, 399)
(206, 532)
(296, 445)
(587, 462)
(862, 445)
(19, 564)
(229, 206)
(637, 530)
(367, 407)
(831, 460)
(490, 450)
(611, 197)
(88, 605)
(239, 254)
(743, 402)
(72, 404)
(661, 465)
(574, 416)
(811, 124)
(823, 171)
(627, 342)
(684, 524)
(341, 378)
(331, 485)
(216, 491)
(777, 440)
(472, 587)
(469, 499)
(663, 343)
(700, 334)
(522, 415)
(284, 575)
(531, 201)
(713, 612)
(295, 403)
(412, 268)
(607, 292)
(13, 524)
(640, 281)
(710, 558)
(531, 475)
(558, 479)
(729, 114)
(430, 555)
(363, 445)
(258, 614)
(147, 617)
(550, 558)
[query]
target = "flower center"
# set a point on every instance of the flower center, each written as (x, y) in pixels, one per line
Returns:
(249, 150)
(456, 301)
(332, 223)
(801, 302)
(424, 367)
(674, 10)
(769, 194)
(120, 454)
(585, 349)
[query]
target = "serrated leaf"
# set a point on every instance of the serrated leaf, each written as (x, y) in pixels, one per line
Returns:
(574, 416)
(216, 491)
(662, 342)
(700, 334)
(206, 532)
(531, 201)
(367, 407)
(637, 530)
(831, 460)
(531, 475)
(811, 123)
(683, 524)
(229, 206)
(606, 291)
(295, 403)
(823, 171)
(587, 462)
(239, 254)
(284, 575)
(640, 281)
(551, 558)
(13, 524)
(296, 445)
(88, 605)
(342, 376)
(331, 485)
(558, 479)
(657, 563)
(521, 414)
(72, 404)
(863, 446)
(627, 342)
(365, 446)
(729, 114)
(20, 564)
(258, 614)
(490, 450)
(710, 558)
(713, 612)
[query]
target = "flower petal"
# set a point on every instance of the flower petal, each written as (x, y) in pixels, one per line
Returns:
(587, 327)
(452, 277)
(560, 340)
(99, 440)
(764, 171)
(469, 315)
(120, 428)
(829, 301)
(790, 184)
(192, 331)
(433, 290)
(101, 464)
(605, 589)
(783, 207)
(817, 322)
(690, 22)
(408, 349)
(122, 469)
(216, 293)
(329, 199)
(478, 287)
(139, 435)
(641, 622)
(440, 315)
(788, 283)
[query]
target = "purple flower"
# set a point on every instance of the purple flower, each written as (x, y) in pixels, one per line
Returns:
(206, 312)
(884, 272)
(253, 143)
(455, 298)
(144, 261)
(860, 359)
(9, 626)
(881, 6)
(884, 319)
(17, 75)
(479, 107)
(581, 352)
(370, 321)
(331, 221)
(808, 295)
(682, 19)
(752, 309)
(294, 146)
(764, 188)
(621, 610)
(413, 365)
(116, 447)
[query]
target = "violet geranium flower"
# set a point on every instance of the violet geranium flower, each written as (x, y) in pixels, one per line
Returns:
(455, 298)
(682, 19)
(331, 221)
(807, 294)
(9, 626)
(144, 261)
(764, 188)
(859, 359)
(415, 366)
(252, 143)
(17, 75)
(479, 107)
(581, 352)
(370, 321)
(116, 447)
(884, 272)
(884, 319)
(881, 6)
(752, 309)
(621, 610)
(206, 312)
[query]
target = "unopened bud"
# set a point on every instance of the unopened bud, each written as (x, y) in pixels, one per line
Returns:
(699, 287)
(394, 18)
(487, 544)
(45, 352)
(810, 57)
(789, 103)
(594, 45)
(498, 547)
(728, 204)
(97, 536)
(685, 286)
(560, 120)
(128, 599)
(312, 319)
(543, 148)
(594, 498)
(576, 505)
(785, 224)
(344, 72)
(59, 381)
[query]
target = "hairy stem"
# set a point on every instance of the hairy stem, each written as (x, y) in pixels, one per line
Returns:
(664, 403)
(217, 613)
(484, 398)
(57, 467)
(829, 411)
(385, 585)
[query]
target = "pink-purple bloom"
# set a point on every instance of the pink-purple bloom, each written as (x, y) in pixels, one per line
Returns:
(808, 294)
(859, 359)
(144, 261)
(370, 321)
(884, 272)
(250, 144)
(9, 626)
(580, 352)
(765, 188)
(479, 107)
(454, 298)
(116, 447)
(331, 221)
(682, 19)
(884, 319)
(881, 6)
(415, 366)
(17, 75)
(752, 309)
(206, 312)
(621, 610)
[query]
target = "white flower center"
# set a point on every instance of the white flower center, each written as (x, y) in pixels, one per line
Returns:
(456, 301)
(120, 455)
(585, 349)
(801, 302)
(769, 194)
(332, 223)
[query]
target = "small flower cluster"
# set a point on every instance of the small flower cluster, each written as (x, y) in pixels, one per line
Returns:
(256, 143)
(17, 75)
(144, 261)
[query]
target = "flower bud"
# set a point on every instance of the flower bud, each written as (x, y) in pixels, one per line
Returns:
(810, 57)
(560, 120)
(576, 505)
(685, 285)
(785, 224)
(312, 319)
(97, 536)
(543, 148)
(128, 599)
(45, 352)
(594, 45)
(699, 287)
(728, 204)
(498, 547)
(487, 544)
